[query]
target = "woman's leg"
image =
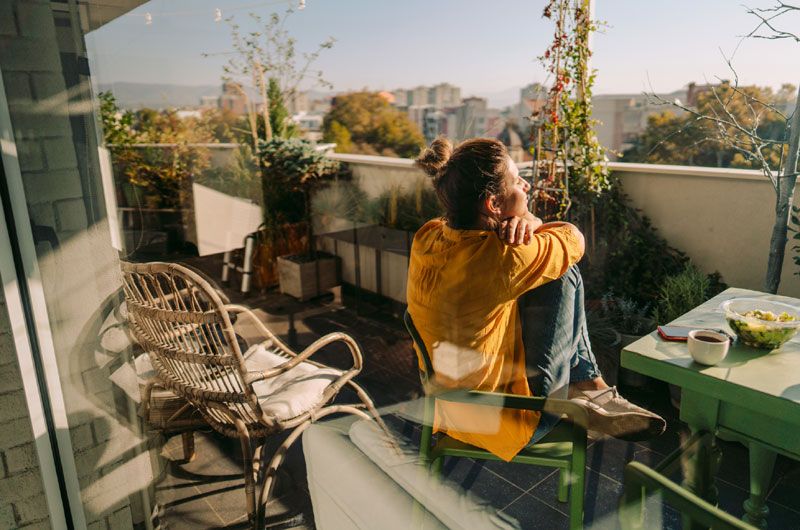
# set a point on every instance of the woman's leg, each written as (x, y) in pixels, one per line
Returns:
(557, 348)
(561, 364)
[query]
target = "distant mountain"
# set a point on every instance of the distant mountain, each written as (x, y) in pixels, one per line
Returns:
(159, 96)
(162, 96)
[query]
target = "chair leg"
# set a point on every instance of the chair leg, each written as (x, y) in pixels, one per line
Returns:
(247, 465)
(188, 446)
(436, 465)
(280, 454)
(563, 484)
(576, 475)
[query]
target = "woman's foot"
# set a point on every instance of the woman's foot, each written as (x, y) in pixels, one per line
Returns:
(612, 414)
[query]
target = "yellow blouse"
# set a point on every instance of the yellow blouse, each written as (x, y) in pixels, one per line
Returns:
(462, 292)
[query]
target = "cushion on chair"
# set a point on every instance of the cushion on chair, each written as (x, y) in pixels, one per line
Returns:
(450, 504)
(291, 393)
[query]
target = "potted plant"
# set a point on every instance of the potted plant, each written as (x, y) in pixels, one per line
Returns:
(678, 295)
(630, 319)
(291, 170)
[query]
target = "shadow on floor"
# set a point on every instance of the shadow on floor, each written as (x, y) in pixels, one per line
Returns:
(209, 492)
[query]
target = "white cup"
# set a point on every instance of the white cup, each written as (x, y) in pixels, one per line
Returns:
(708, 347)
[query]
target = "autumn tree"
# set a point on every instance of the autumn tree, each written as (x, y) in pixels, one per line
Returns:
(685, 140)
(160, 173)
(365, 123)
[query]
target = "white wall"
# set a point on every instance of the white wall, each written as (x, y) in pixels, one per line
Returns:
(721, 218)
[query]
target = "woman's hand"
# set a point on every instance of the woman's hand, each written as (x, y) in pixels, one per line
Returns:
(518, 230)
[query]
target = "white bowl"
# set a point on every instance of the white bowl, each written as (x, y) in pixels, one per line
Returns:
(709, 351)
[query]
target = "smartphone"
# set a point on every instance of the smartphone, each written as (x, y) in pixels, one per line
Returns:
(674, 333)
(681, 333)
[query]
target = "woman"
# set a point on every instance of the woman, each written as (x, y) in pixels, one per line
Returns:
(498, 302)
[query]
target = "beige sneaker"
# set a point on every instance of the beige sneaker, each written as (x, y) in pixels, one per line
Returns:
(612, 414)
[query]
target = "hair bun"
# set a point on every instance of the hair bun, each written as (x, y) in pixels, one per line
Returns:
(434, 158)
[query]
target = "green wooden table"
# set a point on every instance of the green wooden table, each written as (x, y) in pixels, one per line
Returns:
(753, 397)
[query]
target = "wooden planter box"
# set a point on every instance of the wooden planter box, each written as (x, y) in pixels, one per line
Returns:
(306, 279)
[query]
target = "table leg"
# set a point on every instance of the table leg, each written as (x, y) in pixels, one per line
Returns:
(762, 463)
(699, 470)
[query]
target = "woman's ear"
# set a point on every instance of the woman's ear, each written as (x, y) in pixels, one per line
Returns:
(491, 205)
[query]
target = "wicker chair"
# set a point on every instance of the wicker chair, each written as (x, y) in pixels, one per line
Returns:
(181, 321)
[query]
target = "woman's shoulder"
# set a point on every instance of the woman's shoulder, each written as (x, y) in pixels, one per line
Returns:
(430, 228)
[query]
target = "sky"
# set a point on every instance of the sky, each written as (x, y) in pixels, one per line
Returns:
(487, 47)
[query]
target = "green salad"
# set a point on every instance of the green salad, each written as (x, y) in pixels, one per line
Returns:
(758, 329)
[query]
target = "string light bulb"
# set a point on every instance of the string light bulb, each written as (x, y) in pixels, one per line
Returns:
(217, 15)
(148, 18)
(301, 5)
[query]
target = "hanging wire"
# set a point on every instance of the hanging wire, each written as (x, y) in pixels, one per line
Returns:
(148, 17)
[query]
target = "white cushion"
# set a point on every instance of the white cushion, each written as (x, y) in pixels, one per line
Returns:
(291, 393)
(451, 504)
(349, 492)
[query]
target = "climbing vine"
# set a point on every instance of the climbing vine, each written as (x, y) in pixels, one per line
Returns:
(569, 160)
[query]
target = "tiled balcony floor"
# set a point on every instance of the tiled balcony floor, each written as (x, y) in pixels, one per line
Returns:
(208, 492)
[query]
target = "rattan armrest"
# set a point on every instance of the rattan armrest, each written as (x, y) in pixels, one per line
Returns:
(351, 344)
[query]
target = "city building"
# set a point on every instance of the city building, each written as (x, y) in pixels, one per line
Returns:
(310, 125)
(444, 95)
(623, 117)
(233, 98)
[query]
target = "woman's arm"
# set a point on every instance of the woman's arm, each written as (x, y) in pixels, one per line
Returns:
(575, 232)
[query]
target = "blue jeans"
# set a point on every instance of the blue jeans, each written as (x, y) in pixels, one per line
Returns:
(556, 339)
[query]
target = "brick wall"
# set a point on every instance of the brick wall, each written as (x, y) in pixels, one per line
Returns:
(54, 131)
(22, 503)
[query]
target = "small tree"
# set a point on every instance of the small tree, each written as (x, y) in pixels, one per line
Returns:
(749, 139)
(296, 169)
(266, 62)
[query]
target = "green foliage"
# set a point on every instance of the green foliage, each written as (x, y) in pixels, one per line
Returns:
(568, 126)
(408, 209)
(795, 221)
(117, 124)
(282, 126)
(687, 140)
(398, 207)
(625, 315)
(344, 199)
(291, 170)
(682, 292)
(373, 125)
(338, 134)
(156, 174)
(625, 253)
(239, 179)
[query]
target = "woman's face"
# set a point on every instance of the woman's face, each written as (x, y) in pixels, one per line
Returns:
(513, 202)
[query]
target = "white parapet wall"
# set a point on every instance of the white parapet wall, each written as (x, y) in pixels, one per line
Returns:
(721, 218)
